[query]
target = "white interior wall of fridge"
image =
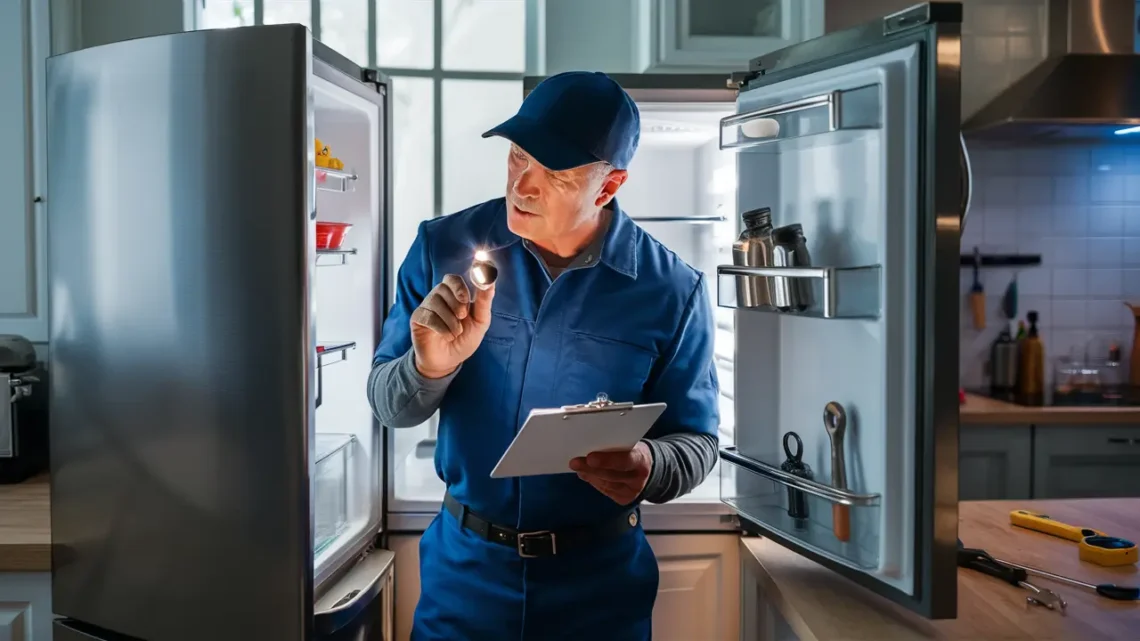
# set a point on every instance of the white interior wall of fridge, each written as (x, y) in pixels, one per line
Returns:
(680, 171)
(344, 305)
(856, 197)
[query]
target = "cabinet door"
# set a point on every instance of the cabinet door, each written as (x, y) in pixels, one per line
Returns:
(1086, 462)
(25, 606)
(722, 34)
(994, 463)
(24, 38)
(698, 596)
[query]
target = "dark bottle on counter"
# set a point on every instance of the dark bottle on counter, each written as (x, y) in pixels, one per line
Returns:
(1004, 364)
(1031, 373)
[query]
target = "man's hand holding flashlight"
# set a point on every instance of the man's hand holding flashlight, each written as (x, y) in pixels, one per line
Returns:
(447, 328)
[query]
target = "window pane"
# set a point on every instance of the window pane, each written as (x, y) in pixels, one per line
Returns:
(405, 33)
(474, 168)
(222, 14)
(344, 27)
(413, 160)
(289, 11)
(484, 35)
(740, 18)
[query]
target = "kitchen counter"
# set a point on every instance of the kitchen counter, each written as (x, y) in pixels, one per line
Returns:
(25, 526)
(820, 605)
(988, 411)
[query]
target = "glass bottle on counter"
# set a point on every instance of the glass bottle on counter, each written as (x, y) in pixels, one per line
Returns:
(1031, 373)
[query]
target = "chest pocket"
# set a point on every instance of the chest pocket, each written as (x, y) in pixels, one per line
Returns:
(484, 380)
(606, 366)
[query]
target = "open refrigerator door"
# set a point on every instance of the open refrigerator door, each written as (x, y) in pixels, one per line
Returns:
(845, 288)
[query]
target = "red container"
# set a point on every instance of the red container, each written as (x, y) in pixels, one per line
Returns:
(331, 235)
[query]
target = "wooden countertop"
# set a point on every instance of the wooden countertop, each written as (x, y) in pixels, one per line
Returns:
(25, 526)
(820, 605)
(988, 411)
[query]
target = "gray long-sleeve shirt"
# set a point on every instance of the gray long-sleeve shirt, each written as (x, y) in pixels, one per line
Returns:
(402, 397)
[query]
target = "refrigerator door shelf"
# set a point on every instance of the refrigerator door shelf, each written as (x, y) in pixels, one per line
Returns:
(764, 494)
(825, 119)
(838, 292)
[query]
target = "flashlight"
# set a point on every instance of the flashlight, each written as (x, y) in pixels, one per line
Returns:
(483, 271)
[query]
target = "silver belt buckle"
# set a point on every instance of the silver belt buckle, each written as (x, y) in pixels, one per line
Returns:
(520, 543)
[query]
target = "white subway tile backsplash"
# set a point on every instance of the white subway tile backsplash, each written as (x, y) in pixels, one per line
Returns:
(1068, 314)
(1106, 221)
(1070, 219)
(1105, 252)
(1078, 207)
(1071, 190)
(1106, 188)
(1070, 282)
(1105, 283)
(1035, 190)
(1130, 252)
(1132, 218)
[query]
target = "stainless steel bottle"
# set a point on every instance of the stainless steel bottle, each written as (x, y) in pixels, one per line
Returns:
(792, 294)
(754, 248)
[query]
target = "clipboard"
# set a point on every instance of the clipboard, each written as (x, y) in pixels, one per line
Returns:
(551, 437)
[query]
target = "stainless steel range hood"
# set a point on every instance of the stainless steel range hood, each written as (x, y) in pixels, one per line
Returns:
(1088, 87)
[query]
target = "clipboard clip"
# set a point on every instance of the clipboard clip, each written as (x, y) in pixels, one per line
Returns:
(600, 404)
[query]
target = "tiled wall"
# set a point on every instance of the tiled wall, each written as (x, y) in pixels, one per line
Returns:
(1079, 208)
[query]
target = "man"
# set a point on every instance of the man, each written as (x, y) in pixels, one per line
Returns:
(585, 303)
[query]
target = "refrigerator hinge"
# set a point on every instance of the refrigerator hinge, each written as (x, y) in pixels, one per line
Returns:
(372, 77)
(906, 19)
(740, 78)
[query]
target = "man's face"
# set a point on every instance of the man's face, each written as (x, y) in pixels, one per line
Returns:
(543, 205)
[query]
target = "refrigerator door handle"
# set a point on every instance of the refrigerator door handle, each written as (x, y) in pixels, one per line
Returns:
(967, 183)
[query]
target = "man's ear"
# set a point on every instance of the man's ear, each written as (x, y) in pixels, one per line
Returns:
(610, 185)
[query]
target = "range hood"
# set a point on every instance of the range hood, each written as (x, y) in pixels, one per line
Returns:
(1088, 87)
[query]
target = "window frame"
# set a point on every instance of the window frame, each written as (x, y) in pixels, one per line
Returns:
(533, 64)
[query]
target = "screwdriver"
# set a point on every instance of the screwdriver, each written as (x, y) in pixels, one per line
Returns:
(1107, 590)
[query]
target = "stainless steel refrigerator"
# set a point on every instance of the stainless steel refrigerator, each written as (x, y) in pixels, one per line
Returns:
(854, 136)
(215, 467)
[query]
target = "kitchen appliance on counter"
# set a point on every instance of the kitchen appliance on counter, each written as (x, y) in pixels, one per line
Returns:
(215, 467)
(23, 411)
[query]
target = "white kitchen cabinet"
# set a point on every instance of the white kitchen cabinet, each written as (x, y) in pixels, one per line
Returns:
(670, 36)
(25, 606)
(720, 35)
(698, 596)
(25, 30)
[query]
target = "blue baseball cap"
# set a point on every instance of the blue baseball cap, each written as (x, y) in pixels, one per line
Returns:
(575, 118)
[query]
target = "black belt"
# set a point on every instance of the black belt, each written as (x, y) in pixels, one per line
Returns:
(542, 543)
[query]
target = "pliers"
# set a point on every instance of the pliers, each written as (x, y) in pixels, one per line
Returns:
(981, 561)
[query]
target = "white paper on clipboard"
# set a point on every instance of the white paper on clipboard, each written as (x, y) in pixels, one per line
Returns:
(551, 437)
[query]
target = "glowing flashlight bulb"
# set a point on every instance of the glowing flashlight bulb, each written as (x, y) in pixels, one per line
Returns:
(483, 271)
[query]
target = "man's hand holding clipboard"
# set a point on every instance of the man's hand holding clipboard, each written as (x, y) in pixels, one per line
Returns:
(599, 440)
(619, 475)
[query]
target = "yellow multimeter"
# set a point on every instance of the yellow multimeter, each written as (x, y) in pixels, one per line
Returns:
(1093, 546)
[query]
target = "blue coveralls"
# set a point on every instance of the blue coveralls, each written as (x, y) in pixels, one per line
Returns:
(635, 324)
